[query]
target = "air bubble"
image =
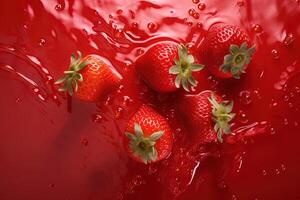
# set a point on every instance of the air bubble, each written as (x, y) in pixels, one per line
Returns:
(152, 27)
(97, 118)
(245, 97)
(191, 11)
(242, 117)
(196, 15)
(201, 6)
(119, 12)
(84, 141)
(59, 7)
(257, 28)
(264, 172)
(289, 39)
(275, 54)
(42, 42)
(119, 113)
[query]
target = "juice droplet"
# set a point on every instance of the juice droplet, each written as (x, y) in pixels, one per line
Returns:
(42, 42)
(275, 54)
(199, 25)
(152, 27)
(242, 117)
(285, 122)
(195, 1)
(84, 141)
(196, 15)
(51, 185)
(139, 51)
(119, 113)
(59, 7)
(119, 12)
(289, 39)
(191, 11)
(257, 28)
(201, 6)
(97, 118)
(264, 172)
(134, 25)
(245, 97)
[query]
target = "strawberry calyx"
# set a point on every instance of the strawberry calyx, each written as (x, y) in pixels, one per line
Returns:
(72, 76)
(237, 59)
(183, 68)
(141, 146)
(221, 115)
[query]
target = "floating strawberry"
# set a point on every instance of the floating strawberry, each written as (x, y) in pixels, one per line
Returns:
(150, 137)
(167, 66)
(207, 115)
(226, 51)
(89, 78)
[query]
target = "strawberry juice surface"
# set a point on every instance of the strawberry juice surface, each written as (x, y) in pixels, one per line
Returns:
(55, 148)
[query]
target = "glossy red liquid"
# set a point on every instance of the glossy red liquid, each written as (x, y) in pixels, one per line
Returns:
(49, 153)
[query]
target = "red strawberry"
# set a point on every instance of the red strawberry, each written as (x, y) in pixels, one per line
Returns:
(89, 78)
(166, 66)
(225, 51)
(150, 137)
(207, 116)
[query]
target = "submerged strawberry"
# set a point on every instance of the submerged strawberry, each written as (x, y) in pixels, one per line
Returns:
(207, 116)
(226, 51)
(89, 78)
(150, 137)
(167, 66)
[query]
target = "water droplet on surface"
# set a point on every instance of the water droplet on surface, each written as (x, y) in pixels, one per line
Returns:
(245, 97)
(277, 171)
(272, 131)
(283, 167)
(51, 185)
(18, 100)
(199, 25)
(84, 141)
(257, 28)
(152, 27)
(42, 42)
(285, 122)
(289, 39)
(275, 54)
(201, 6)
(119, 113)
(242, 117)
(234, 197)
(119, 12)
(59, 7)
(139, 51)
(134, 25)
(196, 15)
(195, 1)
(264, 172)
(191, 11)
(126, 100)
(97, 118)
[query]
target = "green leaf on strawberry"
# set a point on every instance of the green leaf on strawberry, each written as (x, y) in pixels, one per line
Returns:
(183, 68)
(221, 115)
(141, 146)
(72, 76)
(237, 59)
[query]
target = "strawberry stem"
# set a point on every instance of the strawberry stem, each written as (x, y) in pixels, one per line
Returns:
(237, 59)
(221, 115)
(183, 68)
(69, 80)
(141, 146)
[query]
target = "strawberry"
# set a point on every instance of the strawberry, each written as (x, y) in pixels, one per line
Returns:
(207, 116)
(89, 78)
(149, 136)
(167, 66)
(225, 51)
